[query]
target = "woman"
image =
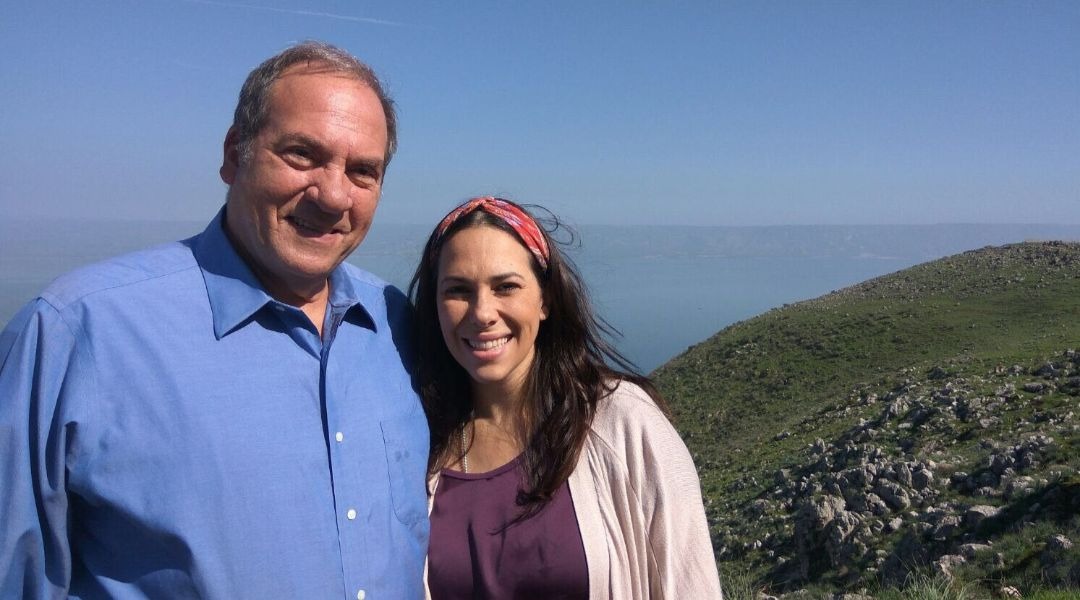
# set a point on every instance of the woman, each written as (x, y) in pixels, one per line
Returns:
(553, 475)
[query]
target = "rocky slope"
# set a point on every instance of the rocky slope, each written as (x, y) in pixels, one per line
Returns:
(926, 420)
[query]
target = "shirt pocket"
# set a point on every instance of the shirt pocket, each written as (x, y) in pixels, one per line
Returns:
(406, 443)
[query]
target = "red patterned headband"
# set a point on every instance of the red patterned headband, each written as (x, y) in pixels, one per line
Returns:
(517, 219)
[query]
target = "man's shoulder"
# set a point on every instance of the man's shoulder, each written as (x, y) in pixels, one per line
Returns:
(375, 289)
(120, 273)
(359, 276)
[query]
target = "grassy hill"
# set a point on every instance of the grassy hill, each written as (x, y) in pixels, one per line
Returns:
(850, 441)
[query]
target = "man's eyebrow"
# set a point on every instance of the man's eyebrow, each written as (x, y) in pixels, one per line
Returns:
(375, 164)
(299, 138)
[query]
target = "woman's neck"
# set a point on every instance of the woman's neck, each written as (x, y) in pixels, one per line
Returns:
(498, 430)
(499, 404)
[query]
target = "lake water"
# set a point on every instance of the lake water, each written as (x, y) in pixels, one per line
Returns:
(664, 288)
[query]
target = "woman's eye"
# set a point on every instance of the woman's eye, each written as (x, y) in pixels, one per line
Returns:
(506, 288)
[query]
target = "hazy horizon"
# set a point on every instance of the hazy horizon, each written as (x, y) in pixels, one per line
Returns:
(21, 219)
(709, 277)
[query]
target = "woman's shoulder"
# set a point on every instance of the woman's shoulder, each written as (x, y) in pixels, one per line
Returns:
(628, 410)
(627, 396)
(632, 438)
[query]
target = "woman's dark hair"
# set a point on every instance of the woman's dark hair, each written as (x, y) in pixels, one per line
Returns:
(574, 367)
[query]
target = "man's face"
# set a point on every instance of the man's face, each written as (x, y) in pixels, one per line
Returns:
(305, 194)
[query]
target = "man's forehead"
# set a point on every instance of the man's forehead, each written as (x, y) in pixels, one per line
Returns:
(295, 88)
(342, 82)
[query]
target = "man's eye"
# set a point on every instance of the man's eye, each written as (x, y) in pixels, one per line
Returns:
(364, 176)
(299, 154)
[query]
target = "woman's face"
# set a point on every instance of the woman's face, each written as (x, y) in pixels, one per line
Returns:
(490, 307)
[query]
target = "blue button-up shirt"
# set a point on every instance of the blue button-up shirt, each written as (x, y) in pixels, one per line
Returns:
(168, 430)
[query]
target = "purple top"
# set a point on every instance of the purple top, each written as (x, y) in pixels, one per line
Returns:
(470, 556)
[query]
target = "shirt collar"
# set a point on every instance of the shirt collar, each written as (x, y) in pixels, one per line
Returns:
(234, 292)
(346, 295)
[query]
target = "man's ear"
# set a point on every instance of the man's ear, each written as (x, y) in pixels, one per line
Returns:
(230, 161)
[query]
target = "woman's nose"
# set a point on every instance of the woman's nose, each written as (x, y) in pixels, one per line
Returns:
(483, 310)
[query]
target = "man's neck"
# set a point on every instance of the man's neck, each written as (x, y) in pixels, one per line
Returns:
(313, 305)
(309, 297)
(317, 313)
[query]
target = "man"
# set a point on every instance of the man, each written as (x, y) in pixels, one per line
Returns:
(230, 416)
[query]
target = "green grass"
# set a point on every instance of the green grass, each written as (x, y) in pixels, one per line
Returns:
(738, 584)
(1054, 594)
(928, 586)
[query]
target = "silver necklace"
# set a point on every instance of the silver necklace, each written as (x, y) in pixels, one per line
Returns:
(464, 452)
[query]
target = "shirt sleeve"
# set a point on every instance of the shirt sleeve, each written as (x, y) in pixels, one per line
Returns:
(661, 469)
(35, 354)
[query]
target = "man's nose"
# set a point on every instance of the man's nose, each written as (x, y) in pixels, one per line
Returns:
(330, 190)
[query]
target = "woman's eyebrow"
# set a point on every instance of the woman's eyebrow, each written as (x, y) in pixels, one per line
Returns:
(497, 277)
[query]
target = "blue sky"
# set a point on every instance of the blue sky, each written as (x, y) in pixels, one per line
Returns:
(711, 113)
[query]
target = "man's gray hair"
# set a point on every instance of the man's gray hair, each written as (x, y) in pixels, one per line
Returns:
(252, 108)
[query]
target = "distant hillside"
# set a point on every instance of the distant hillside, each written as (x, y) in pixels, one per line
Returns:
(925, 421)
(923, 242)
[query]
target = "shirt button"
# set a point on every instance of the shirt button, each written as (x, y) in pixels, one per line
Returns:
(339, 436)
(351, 514)
(361, 595)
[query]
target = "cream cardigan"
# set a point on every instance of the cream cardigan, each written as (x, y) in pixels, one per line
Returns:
(638, 503)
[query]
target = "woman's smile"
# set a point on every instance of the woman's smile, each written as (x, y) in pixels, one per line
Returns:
(487, 345)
